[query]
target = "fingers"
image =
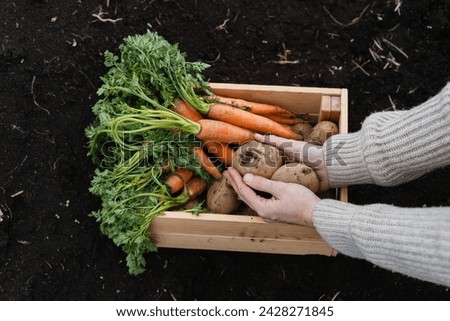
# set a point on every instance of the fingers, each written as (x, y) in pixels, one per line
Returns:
(245, 191)
(291, 148)
(291, 203)
(279, 142)
(262, 184)
(254, 181)
(299, 151)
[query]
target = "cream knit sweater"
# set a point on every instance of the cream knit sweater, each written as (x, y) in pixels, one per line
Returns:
(391, 148)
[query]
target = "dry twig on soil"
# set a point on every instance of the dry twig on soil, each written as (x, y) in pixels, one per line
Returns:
(389, 59)
(100, 18)
(283, 55)
(34, 96)
(355, 20)
(360, 67)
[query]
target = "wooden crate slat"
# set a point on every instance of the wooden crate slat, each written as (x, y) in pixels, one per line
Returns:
(325, 108)
(243, 244)
(343, 129)
(307, 100)
(335, 112)
(230, 225)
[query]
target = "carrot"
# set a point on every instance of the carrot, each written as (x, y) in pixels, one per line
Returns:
(195, 187)
(250, 121)
(178, 179)
(183, 108)
(206, 163)
(253, 107)
(221, 150)
(166, 168)
(283, 120)
(191, 113)
(219, 131)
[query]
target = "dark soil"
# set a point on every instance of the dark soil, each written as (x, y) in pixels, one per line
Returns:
(50, 64)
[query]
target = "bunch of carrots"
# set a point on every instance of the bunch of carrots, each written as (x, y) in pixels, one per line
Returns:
(161, 136)
(231, 122)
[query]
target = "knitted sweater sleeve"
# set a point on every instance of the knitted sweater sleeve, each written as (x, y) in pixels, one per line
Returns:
(391, 148)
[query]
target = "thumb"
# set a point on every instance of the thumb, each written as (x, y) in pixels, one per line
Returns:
(262, 184)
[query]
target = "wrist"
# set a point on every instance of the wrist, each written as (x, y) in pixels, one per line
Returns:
(344, 160)
(309, 211)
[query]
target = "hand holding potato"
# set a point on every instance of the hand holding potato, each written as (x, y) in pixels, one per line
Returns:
(299, 151)
(290, 203)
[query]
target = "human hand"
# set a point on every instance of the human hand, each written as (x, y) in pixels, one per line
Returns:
(290, 203)
(309, 154)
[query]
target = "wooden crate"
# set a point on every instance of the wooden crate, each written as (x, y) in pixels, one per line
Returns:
(251, 233)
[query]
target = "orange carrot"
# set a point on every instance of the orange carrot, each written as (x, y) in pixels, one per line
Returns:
(253, 107)
(178, 179)
(250, 121)
(206, 163)
(184, 109)
(222, 151)
(195, 187)
(283, 120)
(219, 131)
(166, 168)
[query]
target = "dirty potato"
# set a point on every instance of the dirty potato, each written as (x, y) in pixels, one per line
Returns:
(221, 198)
(297, 173)
(257, 158)
(322, 131)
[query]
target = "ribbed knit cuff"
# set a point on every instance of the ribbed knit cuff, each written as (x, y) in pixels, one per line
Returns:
(333, 220)
(412, 241)
(344, 159)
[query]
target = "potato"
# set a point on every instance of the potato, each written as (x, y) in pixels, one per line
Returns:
(297, 173)
(221, 198)
(303, 128)
(322, 131)
(257, 158)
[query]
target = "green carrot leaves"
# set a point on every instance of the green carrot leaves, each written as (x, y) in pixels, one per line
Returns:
(135, 135)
